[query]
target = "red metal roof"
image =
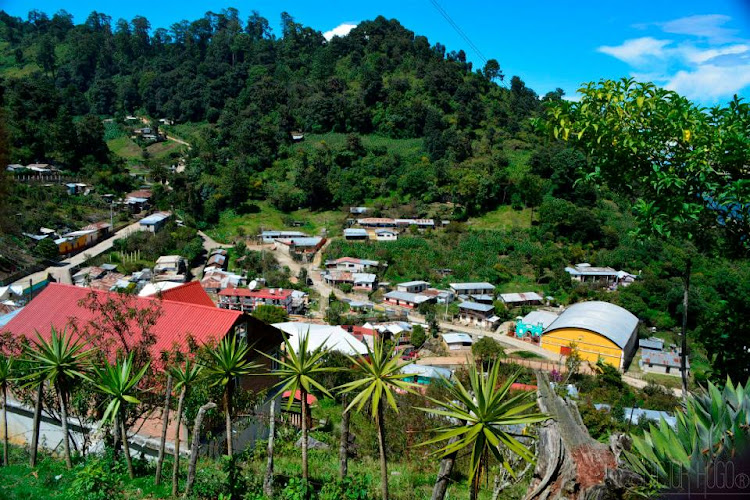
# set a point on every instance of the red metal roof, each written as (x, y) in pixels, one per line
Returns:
(58, 306)
(298, 397)
(189, 293)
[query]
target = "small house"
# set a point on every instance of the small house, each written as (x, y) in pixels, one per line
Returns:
(170, 268)
(482, 288)
(521, 299)
(586, 273)
(271, 236)
(407, 299)
(412, 286)
(103, 229)
(652, 343)
(385, 235)
(244, 299)
(425, 374)
(457, 341)
(364, 281)
(358, 210)
(355, 234)
(351, 264)
(481, 315)
(308, 245)
(664, 362)
(155, 222)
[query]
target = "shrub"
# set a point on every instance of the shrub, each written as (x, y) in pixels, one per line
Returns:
(348, 489)
(95, 481)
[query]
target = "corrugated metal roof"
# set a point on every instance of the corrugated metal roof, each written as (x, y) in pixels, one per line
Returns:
(521, 297)
(427, 371)
(457, 338)
(154, 218)
(189, 293)
(474, 306)
(414, 298)
(413, 283)
(333, 338)
(608, 320)
(473, 286)
(661, 358)
(60, 306)
(654, 343)
(355, 232)
(535, 317)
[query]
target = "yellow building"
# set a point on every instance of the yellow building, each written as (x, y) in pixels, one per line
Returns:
(599, 329)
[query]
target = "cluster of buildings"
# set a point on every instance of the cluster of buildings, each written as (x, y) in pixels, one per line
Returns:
(353, 272)
(382, 228)
(74, 241)
(293, 242)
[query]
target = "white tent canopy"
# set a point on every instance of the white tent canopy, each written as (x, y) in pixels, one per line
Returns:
(332, 338)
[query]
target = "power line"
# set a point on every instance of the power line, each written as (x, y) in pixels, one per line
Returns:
(458, 30)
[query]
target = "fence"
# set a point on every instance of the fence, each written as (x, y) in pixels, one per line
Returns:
(549, 365)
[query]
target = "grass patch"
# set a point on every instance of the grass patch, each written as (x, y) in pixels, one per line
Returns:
(525, 355)
(124, 147)
(403, 147)
(189, 132)
(504, 217)
(160, 150)
(268, 217)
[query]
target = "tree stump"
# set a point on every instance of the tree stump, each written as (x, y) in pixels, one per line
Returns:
(570, 463)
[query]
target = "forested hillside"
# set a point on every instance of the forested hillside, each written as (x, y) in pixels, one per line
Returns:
(249, 86)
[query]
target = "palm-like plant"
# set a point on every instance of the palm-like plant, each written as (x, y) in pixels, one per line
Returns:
(379, 375)
(477, 415)
(63, 362)
(227, 362)
(298, 371)
(184, 377)
(6, 376)
(118, 383)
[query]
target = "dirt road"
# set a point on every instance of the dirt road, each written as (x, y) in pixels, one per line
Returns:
(61, 272)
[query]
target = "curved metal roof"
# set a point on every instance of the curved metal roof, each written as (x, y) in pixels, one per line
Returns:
(608, 320)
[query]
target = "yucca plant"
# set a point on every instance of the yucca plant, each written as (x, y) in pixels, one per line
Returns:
(63, 362)
(227, 362)
(118, 383)
(475, 419)
(714, 426)
(379, 375)
(298, 370)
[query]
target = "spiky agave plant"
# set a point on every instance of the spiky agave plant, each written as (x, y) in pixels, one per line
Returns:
(713, 426)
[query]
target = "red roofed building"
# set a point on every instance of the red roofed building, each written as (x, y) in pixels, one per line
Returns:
(246, 300)
(64, 307)
(189, 293)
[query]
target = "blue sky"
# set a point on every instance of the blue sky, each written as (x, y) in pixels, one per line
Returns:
(698, 48)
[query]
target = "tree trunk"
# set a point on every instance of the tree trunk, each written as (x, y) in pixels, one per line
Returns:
(164, 424)
(5, 425)
(268, 479)
(443, 478)
(64, 425)
(344, 445)
(684, 353)
(126, 445)
(381, 444)
(474, 486)
(37, 422)
(196, 444)
(303, 402)
(228, 415)
(176, 465)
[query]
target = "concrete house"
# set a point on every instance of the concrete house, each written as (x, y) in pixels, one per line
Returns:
(351, 264)
(171, 268)
(385, 235)
(155, 222)
(481, 315)
(457, 341)
(246, 300)
(521, 299)
(664, 362)
(355, 234)
(407, 299)
(412, 286)
(482, 288)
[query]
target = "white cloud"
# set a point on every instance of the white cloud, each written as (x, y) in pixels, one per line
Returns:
(703, 59)
(342, 29)
(707, 26)
(709, 82)
(637, 51)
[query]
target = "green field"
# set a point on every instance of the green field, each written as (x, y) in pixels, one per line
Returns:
(403, 147)
(503, 218)
(161, 150)
(124, 147)
(269, 217)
